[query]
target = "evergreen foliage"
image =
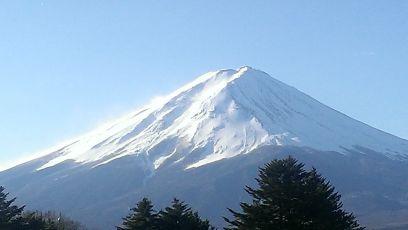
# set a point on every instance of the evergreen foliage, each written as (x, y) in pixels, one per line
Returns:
(49, 221)
(10, 215)
(13, 218)
(33, 221)
(291, 198)
(142, 217)
(178, 216)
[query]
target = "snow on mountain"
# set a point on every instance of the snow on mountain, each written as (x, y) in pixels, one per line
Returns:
(173, 147)
(220, 115)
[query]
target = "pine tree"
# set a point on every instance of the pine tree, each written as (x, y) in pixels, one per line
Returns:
(55, 221)
(34, 221)
(13, 218)
(180, 217)
(10, 215)
(143, 217)
(290, 198)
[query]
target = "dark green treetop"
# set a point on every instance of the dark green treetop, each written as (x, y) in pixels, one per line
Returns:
(179, 216)
(291, 198)
(142, 217)
(10, 215)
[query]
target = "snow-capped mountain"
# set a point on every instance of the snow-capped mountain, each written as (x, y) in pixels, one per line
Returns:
(220, 115)
(217, 119)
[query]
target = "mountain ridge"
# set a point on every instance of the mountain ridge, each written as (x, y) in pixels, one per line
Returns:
(204, 142)
(266, 111)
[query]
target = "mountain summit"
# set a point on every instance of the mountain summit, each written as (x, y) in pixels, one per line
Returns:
(220, 115)
(204, 142)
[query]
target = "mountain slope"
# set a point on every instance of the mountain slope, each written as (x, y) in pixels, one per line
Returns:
(166, 147)
(223, 114)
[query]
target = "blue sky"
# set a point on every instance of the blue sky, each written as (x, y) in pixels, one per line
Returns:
(67, 66)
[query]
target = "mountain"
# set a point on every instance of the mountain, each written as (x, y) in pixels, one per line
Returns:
(204, 142)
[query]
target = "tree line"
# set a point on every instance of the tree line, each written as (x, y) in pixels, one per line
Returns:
(13, 217)
(288, 197)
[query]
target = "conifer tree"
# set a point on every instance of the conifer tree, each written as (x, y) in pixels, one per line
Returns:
(179, 216)
(142, 217)
(50, 221)
(34, 221)
(10, 215)
(290, 198)
(13, 218)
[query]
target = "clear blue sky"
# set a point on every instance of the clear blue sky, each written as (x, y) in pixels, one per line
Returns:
(66, 66)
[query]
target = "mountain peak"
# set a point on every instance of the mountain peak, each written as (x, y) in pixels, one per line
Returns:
(220, 115)
(245, 68)
(241, 119)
